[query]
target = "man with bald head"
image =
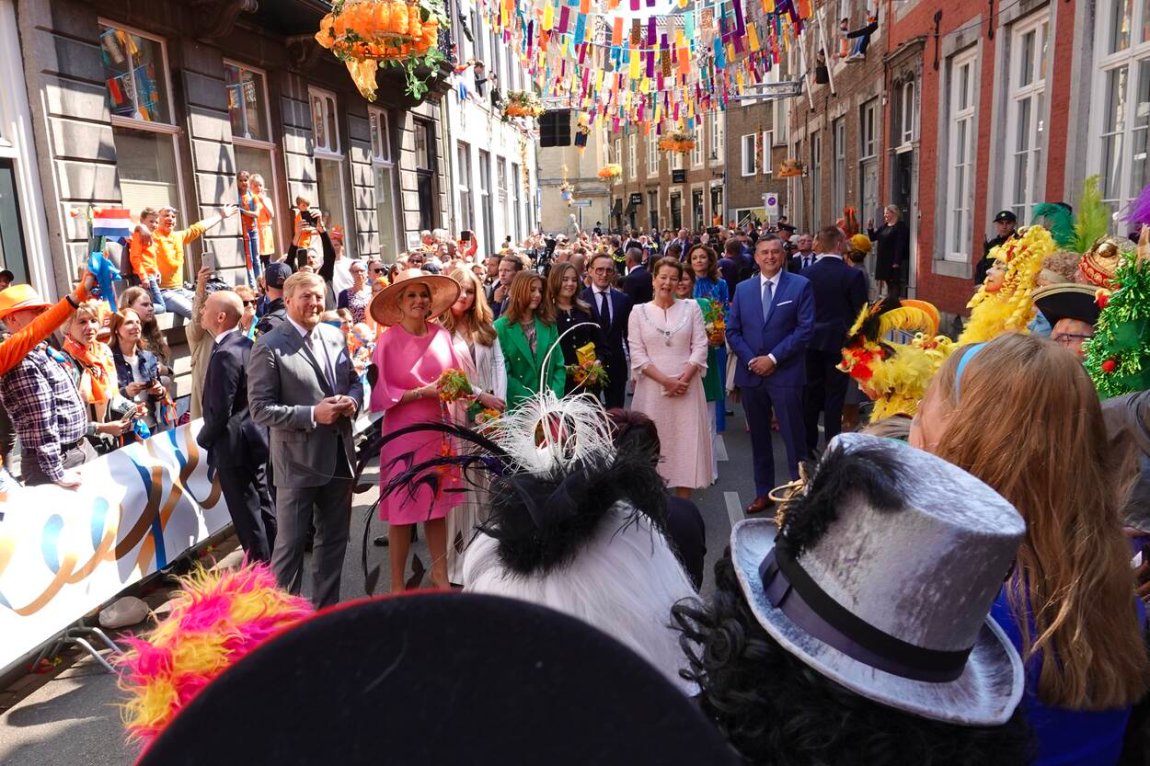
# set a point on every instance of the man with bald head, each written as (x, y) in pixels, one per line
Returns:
(237, 447)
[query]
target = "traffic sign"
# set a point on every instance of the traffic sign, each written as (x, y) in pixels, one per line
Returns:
(581, 203)
(771, 203)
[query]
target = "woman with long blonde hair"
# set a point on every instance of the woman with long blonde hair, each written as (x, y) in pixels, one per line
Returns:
(1021, 414)
(471, 324)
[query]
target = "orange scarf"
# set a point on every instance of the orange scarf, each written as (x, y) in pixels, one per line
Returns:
(98, 376)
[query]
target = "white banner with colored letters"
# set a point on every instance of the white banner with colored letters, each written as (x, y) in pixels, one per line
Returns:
(65, 552)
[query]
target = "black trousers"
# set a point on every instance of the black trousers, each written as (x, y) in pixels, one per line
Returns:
(250, 506)
(615, 392)
(825, 392)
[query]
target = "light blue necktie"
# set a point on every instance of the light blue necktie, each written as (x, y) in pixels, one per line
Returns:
(768, 296)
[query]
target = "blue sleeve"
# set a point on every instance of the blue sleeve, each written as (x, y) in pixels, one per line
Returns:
(796, 342)
(735, 333)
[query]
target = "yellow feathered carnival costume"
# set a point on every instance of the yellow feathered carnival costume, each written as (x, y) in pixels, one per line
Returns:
(895, 375)
(1003, 303)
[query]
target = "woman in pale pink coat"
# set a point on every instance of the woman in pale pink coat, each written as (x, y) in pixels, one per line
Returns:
(668, 343)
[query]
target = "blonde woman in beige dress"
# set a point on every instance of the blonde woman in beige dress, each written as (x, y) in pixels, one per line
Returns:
(668, 343)
(473, 334)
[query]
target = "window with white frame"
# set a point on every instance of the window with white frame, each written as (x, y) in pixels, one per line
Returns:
(716, 153)
(502, 170)
(485, 207)
(961, 100)
(816, 173)
(251, 125)
(677, 160)
(325, 131)
(387, 211)
(748, 165)
(905, 116)
(839, 181)
(632, 156)
(331, 181)
(652, 142)
(697, 151)
(618, 151)
(768, 142)
(1025, 112)
(137, 82)
(1122, 100)
(463, 173)
(516, 205)
(868, 159)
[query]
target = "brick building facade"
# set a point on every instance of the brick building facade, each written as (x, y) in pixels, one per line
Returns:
(667, 190)
(756, 145)
(979, 108)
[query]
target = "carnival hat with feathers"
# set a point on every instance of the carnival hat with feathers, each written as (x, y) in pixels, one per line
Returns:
(881, 578)
(508, 681)
(895, 375)
(554, 474)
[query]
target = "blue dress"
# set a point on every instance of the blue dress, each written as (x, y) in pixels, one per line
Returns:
(718, 292)
(1065, 737)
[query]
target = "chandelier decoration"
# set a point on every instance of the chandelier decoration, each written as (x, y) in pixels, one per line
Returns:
(367, 33)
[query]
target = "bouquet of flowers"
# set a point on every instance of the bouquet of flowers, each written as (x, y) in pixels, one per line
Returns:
(453, 385)
(589, 374)
(482, 416)
(716, 324)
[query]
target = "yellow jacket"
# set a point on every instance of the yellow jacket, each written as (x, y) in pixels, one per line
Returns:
(167, 252)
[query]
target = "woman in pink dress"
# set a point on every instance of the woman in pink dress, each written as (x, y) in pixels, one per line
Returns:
(410, 357)
(668, 343)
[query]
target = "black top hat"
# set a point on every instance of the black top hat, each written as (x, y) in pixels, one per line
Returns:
(440, 678)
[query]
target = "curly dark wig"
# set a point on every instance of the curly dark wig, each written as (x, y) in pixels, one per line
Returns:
(776, 710)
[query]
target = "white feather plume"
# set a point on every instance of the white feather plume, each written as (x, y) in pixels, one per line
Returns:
(545, 433)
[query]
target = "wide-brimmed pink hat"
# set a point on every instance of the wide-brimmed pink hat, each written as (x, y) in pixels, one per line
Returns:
(385, 305)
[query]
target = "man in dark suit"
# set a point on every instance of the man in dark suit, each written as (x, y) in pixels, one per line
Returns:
(771, 322)
(303, 388)
(237, 447)
(637, 283)
(497, 295)
(611, 309)
(840, 293)
(804, 255)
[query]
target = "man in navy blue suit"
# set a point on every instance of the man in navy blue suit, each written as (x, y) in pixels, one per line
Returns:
(237, 447)
(840, 293)
(771, 321)
(611, 309)
(637, 284)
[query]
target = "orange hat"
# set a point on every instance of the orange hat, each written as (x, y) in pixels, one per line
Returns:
(20, 297)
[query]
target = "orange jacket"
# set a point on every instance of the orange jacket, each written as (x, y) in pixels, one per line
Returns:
(13, 350)
(143, 258)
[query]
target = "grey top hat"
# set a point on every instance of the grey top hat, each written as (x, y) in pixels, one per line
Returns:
(882, 578)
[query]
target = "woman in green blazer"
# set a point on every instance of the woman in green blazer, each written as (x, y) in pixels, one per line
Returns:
(527, 333)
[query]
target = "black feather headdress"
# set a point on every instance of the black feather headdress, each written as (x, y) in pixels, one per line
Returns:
(870, 471)
(553, 475)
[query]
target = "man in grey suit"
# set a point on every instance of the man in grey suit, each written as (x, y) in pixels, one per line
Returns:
(303, 388)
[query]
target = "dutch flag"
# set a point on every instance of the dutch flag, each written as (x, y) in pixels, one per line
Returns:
(113, 223)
